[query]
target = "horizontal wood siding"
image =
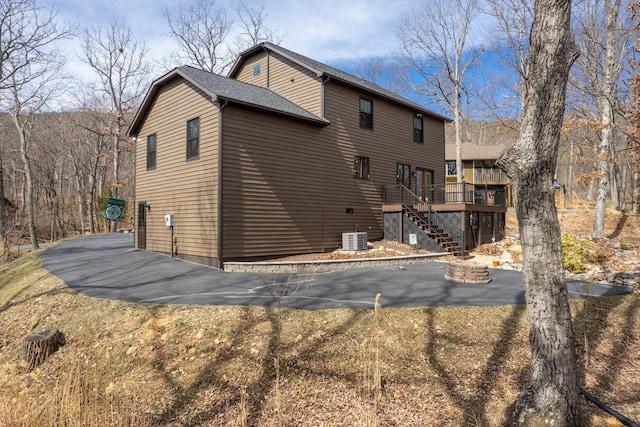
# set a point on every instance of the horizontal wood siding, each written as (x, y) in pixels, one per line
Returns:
(245, 74)
(284, 187)
(288, 185)
(186, 189)
(391, 140)
(295, 83)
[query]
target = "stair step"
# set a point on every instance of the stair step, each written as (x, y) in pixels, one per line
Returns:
(436, 234)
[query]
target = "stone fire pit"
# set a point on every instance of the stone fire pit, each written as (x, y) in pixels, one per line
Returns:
(471, 272)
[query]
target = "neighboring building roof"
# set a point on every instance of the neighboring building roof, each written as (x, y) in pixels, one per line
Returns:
(473, 151)
(222, 89)
(323, 70)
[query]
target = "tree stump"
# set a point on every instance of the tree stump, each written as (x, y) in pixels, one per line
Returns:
(37, 347)
(475, 273)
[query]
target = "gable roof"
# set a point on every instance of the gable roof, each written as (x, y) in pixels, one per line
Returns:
(323, 70)
(474, 152)
(222, 89)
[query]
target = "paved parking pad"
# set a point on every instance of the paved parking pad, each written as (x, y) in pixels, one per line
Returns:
(107, 266)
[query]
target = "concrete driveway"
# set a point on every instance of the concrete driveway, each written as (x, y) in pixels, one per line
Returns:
(107, 266)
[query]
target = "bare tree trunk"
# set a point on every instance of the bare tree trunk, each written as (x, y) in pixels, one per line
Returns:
(636, 193)
(31, 217)
(605, 100)
(116, 171)
(92, 200)
(622, 178)
(456, 119)
(602, 183)
(569, 182)
(52, 223)
(3, 219)
(552, 394)
(80, 201)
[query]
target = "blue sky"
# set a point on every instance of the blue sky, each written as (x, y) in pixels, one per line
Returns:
(330, 31)
(337, 32)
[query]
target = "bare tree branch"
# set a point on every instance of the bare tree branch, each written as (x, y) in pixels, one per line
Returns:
(253, 27)
(200, 30)
(119, 60)
(434, 44)
(30, 78)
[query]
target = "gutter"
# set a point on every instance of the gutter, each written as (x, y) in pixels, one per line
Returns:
(318, 121)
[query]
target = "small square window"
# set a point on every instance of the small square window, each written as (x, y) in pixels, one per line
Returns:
(193, 138)
(418, 133)
(360, 167)
(451, 168)
(151, 151)
(366, 113)
(256, 70)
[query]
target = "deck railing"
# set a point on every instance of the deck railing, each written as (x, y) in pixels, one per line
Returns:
(448, 193)
(490, 175)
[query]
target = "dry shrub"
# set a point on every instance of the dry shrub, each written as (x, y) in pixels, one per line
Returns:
(81, 397)
(490, 249)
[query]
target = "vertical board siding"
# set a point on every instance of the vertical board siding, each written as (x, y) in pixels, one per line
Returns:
(186, 189)
(287, 185)
(245, 74)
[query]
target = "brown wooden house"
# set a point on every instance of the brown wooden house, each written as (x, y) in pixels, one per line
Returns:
(280, 157)
(479, 168)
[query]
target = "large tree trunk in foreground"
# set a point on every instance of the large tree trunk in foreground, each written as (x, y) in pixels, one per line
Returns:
(552, 395)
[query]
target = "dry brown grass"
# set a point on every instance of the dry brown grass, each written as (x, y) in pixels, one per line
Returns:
(174, 365)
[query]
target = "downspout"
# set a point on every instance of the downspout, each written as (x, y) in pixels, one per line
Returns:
(324, 82)
(220, 184)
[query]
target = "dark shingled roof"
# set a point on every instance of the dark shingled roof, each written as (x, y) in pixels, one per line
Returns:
(221, 88)
(324, 69)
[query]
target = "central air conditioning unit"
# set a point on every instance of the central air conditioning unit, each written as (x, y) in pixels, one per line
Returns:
(354, 241)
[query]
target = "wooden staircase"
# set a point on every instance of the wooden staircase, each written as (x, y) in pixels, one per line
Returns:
(437, 234)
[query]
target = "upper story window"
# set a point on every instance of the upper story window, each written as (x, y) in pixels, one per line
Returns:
(256, 69)
(418, 133)
(151, 151)
(361, 167)
(403, 174)
(366, 113)
(193, 138)
(451, 168)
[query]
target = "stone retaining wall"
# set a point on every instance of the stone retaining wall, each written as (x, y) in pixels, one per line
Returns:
(327, 265)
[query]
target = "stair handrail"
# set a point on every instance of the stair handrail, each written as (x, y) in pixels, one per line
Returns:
(440, 221)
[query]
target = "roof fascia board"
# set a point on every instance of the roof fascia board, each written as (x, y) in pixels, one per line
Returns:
(273, 48)
(392, 100)
(321, 74)
(153, 91)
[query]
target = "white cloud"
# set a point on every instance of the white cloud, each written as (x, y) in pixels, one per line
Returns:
(330, 31)
(338, 30)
